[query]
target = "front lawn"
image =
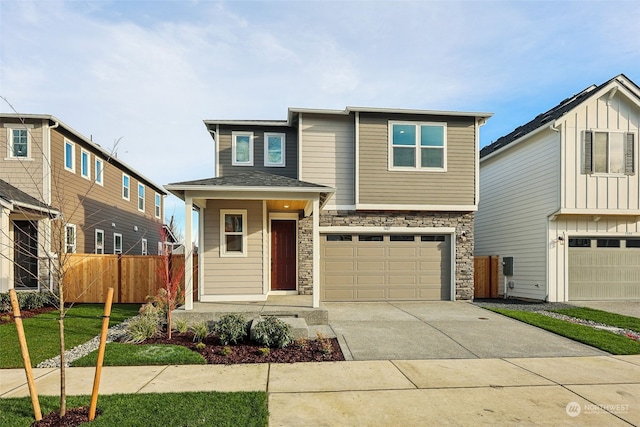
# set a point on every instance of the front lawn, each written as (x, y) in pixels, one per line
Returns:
(604, 340)
(153, 409)
(611, 319)
(118, 354)
(82, 323)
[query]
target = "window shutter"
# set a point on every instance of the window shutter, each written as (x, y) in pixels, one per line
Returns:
(629, 155)
(588, 152)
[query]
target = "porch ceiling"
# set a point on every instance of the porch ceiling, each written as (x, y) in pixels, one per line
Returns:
(286, 205)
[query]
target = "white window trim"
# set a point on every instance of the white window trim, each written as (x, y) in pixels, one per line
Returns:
(82, 153)
(141, 186)
(99, 178)
(223, 233)
(128, 187)
(73, 245)
(16, 126)
(160, 246)
(417, 147)
(145, 247)
(73, 155)
(99, 249)
(157, 208)
(234, 136)
(266, 149)
(115, 249)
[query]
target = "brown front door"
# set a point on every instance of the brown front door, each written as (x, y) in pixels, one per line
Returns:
(283, 255)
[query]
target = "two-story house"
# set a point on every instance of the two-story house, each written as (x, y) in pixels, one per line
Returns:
(361, 204)
(63, 192)
(560, 199)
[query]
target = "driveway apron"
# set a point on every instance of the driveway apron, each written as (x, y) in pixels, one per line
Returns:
(440, 330)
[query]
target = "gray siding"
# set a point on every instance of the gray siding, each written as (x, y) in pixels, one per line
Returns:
(291, 146)
(379, 185)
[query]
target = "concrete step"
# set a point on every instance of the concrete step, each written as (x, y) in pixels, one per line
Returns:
(299, 328)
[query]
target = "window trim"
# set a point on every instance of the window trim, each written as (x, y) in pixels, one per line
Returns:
(224, 234)
(99, 177)
(234, 136)
(127, 187)
(157, 209)
(11, 127)
(72, 154)
(144, 247)
(160, 247)
(98, 249)
(82, 164)
(417, 153)
(141, 198)
(115, 240)
(74, 245)
(283, 141)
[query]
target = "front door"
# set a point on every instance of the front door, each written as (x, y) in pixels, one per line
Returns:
(25, 267)
(283, 255)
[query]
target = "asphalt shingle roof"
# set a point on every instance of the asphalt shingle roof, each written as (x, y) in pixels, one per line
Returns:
(251, 179)
(15, 195)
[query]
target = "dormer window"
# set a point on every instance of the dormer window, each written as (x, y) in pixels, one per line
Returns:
(274, 154)
(242, 148)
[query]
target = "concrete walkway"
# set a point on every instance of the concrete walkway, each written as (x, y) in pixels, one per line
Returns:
(603, 390)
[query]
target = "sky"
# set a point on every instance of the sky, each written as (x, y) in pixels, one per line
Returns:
(147, 73)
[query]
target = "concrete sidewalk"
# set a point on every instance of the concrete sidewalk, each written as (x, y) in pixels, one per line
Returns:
(600, 390)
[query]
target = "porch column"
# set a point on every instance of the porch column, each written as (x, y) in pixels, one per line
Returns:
(188, 253)
(315, 216)
(6, 267)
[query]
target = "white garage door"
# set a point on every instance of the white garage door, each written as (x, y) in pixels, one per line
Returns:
(382, 267)
(604, 269)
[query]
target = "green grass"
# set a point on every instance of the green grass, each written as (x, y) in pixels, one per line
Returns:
(611, 319)
(162, 410)
(84, 322)
(604, 340)
(117, 354)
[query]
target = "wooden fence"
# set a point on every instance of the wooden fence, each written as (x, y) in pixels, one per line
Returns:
(485, 276)
(133, 277)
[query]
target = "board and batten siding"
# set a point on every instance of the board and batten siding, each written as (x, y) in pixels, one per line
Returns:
(233, 275)
(26, 175)
(518, 191)
(598, 191)
(224, 145)
(379, 185)
(327, 155)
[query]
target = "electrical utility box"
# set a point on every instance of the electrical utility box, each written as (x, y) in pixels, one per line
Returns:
(507, 266)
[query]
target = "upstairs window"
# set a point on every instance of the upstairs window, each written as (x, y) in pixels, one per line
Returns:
(70, 238)
(417, 146)
(85, 165)
(274, 149)
(141, 197)
(19, 142)
(158, 206)
(99, 242)
(242, 148)
(125, 186)
(233, 233)
(99, 171)
(69, 156)
(609, 152)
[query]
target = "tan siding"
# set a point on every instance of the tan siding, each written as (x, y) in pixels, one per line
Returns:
(328, 151)
(378, 185)
(27, 175)
(231, 275)
(291, 145)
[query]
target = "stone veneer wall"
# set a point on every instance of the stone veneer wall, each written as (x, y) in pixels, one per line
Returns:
(461, 221)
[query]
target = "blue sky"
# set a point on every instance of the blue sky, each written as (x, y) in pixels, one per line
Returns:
(149, 72)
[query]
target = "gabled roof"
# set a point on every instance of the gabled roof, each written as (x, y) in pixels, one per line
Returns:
(19, 198)
(554, 114)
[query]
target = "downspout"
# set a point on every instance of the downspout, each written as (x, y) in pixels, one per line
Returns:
(551, 218)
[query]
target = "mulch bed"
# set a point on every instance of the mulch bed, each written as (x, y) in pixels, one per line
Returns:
(72, 418)
(7, 317)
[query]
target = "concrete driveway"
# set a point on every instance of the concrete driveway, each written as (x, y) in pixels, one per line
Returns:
(440, 330)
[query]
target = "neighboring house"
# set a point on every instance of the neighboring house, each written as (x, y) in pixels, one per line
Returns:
(560, 195)
(105, 205)
(361, 204)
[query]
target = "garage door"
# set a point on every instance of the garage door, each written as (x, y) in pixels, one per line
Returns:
(604, 269)
(382, 267)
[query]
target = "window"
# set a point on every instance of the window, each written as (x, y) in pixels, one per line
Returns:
(70, 238)
(144, 247)
(339, 237)
(417, 146)
(19, 142)
(85, 165)
(608, 243)
(141, 197)
(233, 234)
(439, 238)
(609, 152)
(99, 242)
(370, 238)
(633, 243)
(99, 171)
(125, 186)
(117, 243)
(401, 238)
(158, 206)
(160, 252)
(579, 243)
(69, 156)
(274, 151)
(242, 148)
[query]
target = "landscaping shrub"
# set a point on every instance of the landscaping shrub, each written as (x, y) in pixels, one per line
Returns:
(273, 332)
(27, 300)
(200, 331)
(231, 328)
(144, 326)
(180, 325)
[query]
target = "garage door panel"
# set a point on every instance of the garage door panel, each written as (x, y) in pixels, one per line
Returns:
(403, 252)
(370, 294)
(409, 266)
(370, 266)
(402, 293)
(402, 280)
(378, 252)
(343, 266)
(339, 280)
(339, 294)
(366, 279)
(338, 252)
